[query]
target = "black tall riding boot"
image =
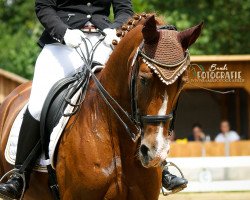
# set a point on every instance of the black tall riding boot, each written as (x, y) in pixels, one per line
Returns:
(28, 151)
(172, 182)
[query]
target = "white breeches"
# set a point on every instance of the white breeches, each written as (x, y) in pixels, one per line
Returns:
(56, 61)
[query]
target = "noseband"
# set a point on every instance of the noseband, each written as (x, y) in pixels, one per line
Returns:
(136, 118)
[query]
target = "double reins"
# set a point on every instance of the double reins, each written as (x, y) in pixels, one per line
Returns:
(108, 99)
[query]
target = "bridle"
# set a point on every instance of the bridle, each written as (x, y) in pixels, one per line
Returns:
(135, 118)
(139, 119)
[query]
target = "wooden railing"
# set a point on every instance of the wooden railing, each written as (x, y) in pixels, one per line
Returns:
(8, 82)
(198, 149)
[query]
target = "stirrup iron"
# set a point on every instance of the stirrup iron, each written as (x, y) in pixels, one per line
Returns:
(16, 171)
(169, 164)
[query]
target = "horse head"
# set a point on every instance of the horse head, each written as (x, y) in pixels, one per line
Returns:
(161, 76)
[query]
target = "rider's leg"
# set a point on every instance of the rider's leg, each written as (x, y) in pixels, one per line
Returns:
(28, 138)
(54, 62)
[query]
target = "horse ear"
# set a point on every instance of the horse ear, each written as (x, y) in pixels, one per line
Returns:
(189, 36)
(150, 33)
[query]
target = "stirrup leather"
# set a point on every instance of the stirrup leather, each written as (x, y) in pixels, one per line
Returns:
(8, 174)
(178, 189)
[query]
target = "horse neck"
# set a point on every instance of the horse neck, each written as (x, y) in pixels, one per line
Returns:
(115, 79)
(115, 76)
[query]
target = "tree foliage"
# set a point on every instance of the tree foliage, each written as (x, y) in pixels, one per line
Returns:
(226, 28)
(19, 30)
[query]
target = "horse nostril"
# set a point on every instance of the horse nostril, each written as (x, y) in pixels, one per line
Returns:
(144, 150)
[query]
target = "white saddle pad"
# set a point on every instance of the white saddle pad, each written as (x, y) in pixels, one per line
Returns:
(11, 147)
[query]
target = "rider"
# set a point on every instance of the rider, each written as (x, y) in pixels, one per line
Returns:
(66, 22)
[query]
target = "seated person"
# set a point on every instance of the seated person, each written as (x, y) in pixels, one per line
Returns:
(226, 134)
(197, 133)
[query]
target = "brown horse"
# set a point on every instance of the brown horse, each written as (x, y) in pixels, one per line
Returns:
(96, 158)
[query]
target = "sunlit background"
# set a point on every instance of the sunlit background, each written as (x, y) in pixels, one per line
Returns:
(214, 170)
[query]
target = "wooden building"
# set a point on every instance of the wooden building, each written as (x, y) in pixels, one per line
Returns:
(223, 73)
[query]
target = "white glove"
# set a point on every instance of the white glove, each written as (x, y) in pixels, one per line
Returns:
(73, 38)
(110, 36)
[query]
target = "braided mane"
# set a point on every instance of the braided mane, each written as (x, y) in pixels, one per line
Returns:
(133, 22)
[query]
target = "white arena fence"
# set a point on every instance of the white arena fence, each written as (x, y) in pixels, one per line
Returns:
(215, 174)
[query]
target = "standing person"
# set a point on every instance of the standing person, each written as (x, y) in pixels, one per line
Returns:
(66, 22)
(226, 134)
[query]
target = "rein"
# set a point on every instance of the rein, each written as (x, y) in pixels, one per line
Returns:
(136, 118)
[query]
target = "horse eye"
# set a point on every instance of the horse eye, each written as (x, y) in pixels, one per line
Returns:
(145, 80)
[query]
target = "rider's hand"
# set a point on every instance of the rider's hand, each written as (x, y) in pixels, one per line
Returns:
(110, 36)
(73, 38)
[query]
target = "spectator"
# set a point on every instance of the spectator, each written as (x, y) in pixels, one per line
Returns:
(197, 133)
(226, 134)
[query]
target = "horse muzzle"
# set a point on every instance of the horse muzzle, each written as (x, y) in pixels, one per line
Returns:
(151, 156)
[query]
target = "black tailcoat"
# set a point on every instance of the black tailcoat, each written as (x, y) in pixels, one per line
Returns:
(58, 15)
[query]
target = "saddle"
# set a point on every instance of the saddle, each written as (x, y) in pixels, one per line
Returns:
(62, 102)
(55, 104)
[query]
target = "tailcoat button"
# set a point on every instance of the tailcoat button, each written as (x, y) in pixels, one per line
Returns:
(88, 16)
(89, 4)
